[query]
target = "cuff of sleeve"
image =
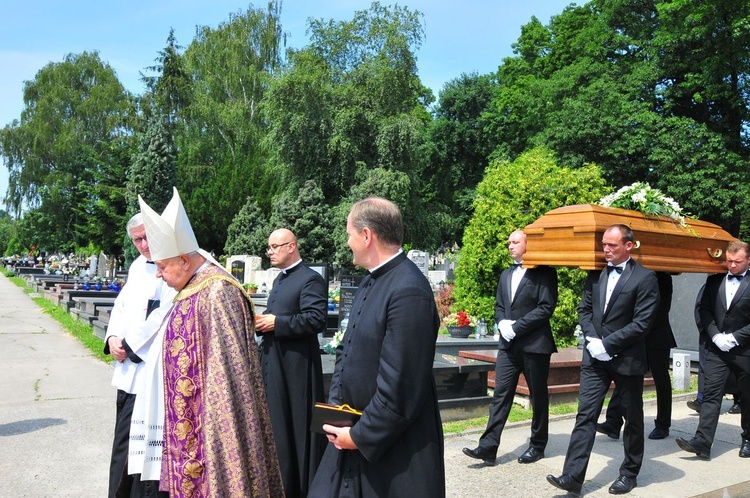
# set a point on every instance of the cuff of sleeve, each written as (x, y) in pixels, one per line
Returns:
(131, 354)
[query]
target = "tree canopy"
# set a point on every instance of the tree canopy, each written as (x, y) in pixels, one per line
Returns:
(259, 136)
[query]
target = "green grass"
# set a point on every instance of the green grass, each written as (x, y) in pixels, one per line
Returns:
(83, 332)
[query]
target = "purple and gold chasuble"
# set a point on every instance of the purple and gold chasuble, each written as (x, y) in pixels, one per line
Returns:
(217, 432)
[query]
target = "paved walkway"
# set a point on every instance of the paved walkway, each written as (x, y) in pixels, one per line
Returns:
(57, 412)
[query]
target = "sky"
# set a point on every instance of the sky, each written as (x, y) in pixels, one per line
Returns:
(460, 36)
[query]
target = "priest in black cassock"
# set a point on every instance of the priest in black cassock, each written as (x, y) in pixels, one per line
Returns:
(292, 372)
(384, 369)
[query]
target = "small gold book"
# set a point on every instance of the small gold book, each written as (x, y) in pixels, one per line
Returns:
(339, 416)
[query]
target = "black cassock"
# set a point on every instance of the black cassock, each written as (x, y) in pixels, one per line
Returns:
(292, 372)
(384, 368)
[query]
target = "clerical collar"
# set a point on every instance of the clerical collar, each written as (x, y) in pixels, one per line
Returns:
(289, 268)
(400, 250)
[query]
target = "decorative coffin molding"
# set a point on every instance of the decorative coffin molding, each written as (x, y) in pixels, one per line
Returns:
(572, 236)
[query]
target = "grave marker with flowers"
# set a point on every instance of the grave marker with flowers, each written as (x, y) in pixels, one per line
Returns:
(460, 324)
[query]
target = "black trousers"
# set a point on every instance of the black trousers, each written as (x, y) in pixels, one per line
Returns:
(595, 382)
(716, 371)
(146, 489)
(509, 366)
(658, 363)
(120, 483)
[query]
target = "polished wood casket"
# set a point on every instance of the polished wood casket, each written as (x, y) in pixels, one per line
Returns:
(572, 236)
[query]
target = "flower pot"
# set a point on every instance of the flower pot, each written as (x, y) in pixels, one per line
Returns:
(98, 286)
(461, 332)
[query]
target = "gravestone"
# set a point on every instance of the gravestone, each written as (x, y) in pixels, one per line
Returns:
(101, 266)
(252, 265)
(349, 285)
(682, 314)
(681, 371)
(421, 259)
(93, 262)
(238, 270)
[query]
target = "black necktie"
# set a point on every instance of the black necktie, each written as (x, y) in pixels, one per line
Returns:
(732, 275)
(618, 269)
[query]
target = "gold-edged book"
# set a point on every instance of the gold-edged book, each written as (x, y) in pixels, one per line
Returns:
(339, 416)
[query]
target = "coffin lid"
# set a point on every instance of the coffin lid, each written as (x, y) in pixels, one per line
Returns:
(572, 236)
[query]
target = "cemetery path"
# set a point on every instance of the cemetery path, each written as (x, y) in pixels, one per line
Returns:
(667, 471)
(57, 414)
(56, 406)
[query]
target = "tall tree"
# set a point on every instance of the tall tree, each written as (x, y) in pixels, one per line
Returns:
(351, 100)
(153, 172)
(65, 156)
(220, 154)
(603, 81)
(460, 147)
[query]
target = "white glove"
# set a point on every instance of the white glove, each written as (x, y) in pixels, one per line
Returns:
(603, 357)
(595, 346)
(724, 341)
(506, 329)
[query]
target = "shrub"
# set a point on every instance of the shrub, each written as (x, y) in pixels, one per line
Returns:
(510, 196)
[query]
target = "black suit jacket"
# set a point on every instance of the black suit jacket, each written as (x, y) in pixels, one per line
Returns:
(661, 335)
(719, 316)
(531, 308)
(629, 316)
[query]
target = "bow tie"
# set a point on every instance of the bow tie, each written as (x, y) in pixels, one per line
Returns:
(516, 265)
(618, 269)
(732, 275)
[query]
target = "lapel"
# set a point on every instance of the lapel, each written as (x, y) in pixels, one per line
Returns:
(603, 276)
(507, 286)
(721, 295)
(521, 283)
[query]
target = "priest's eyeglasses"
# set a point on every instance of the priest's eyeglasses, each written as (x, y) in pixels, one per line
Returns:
(139, 240)
(275, 247)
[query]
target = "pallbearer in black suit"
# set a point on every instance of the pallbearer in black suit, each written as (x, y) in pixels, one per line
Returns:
(526, 299)
(658, 344)
(725, 315)
(292, 373)
(618, 309)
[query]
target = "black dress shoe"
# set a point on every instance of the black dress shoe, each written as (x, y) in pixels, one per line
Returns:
(622, 485)
(480, 453)
(694, 446)
(608, 430)
(531, 455)
(565, 482)
(694, 404)
(745, 449)
(658, 433)
(736, 408)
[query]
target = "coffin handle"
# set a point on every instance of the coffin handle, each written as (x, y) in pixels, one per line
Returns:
(714, 253)
(636, 244)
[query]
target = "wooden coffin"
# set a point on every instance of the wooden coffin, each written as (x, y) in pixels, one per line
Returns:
(572, 236)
